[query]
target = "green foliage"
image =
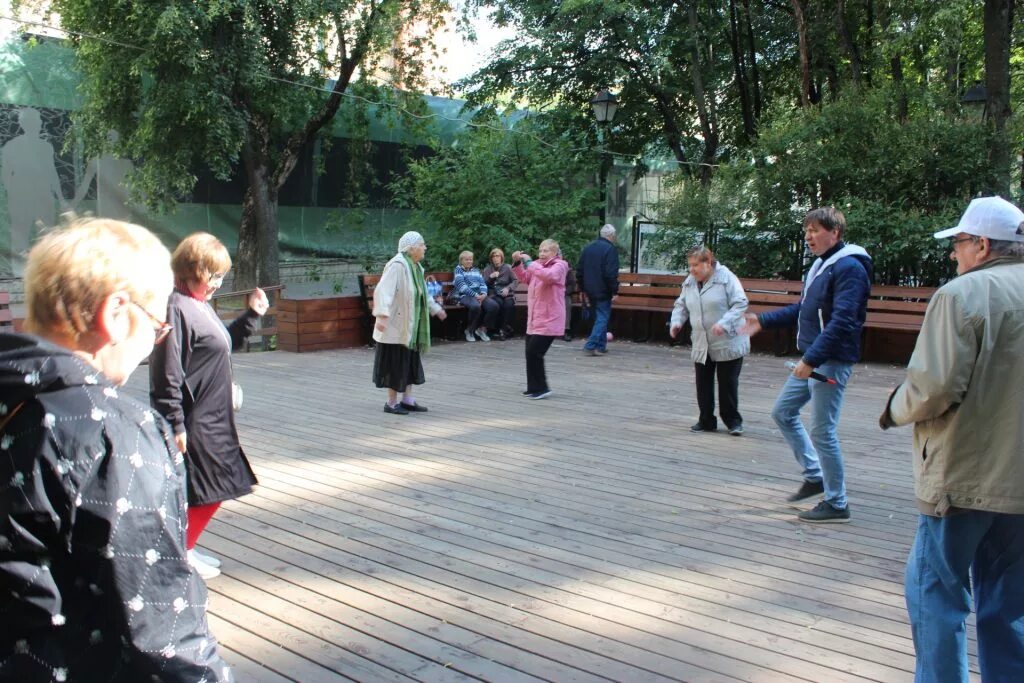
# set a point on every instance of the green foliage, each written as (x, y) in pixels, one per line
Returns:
(189, 84)
(502, 187)
(897, 183)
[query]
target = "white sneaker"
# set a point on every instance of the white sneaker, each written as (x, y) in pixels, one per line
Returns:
(470, 337)
(209, 560)
(204, 570)
(482, 333)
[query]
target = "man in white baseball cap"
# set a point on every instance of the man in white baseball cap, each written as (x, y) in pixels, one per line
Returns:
(963, 394)
(992, 218)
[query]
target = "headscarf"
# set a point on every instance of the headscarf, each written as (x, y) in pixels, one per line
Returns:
(409, 239)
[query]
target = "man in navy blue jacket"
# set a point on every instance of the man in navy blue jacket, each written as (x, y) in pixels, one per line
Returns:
(828, 318)
(597, 276)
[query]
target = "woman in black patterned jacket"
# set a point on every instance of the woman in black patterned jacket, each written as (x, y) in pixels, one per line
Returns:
(94, 582)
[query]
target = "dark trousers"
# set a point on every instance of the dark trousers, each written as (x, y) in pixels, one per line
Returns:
(475, 310)
(506, 310)
(728, 392)
(536, 346)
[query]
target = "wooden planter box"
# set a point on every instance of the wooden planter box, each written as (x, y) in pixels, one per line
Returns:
(318, 324)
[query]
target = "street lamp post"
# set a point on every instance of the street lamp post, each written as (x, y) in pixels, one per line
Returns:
(976, 99)
(604, 105)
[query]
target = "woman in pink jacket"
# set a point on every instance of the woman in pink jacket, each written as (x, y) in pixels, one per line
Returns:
(545, 302)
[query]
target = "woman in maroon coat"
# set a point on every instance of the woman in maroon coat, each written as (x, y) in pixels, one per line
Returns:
(191, 385)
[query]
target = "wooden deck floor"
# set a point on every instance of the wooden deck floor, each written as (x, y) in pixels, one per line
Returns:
(587, 537)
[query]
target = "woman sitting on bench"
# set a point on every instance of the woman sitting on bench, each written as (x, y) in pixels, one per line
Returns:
(470, 289)
(501, 288)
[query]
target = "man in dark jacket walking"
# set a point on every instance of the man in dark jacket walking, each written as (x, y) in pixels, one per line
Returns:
(597, 276)
(828, 318)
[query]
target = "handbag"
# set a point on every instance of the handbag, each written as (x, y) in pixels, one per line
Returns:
(236, 396)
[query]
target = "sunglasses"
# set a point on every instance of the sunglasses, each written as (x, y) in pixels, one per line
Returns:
(161, 328)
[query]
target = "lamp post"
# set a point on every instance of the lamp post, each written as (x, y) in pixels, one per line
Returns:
(976, 99)
(604, 105)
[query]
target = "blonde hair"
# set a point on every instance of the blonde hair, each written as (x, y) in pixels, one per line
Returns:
(551, 243)
(199, 257)
(496, 250)
(70, 271)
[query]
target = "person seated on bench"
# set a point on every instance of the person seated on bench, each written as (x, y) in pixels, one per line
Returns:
(713, 300)
(501, 289)
(470, 289)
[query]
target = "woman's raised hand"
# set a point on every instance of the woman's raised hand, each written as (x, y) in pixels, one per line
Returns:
(258, 301)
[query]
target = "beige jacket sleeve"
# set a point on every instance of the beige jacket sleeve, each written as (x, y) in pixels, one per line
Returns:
(941, 366)
(384, 293)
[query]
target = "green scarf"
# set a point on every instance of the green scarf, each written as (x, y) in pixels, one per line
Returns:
(420, 309)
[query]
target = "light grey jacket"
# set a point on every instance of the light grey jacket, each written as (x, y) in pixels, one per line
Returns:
(395, 298)
(964, 393)
(721, 300)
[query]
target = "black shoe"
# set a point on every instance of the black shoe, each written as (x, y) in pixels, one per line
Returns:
(527, 392)
(413, 407)
(701, 428)
(567, 337)
(824, 513)
(397, 409)
(538, 395)
(736, 430)
(809, 489)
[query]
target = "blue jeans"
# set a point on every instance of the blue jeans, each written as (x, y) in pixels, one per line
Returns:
(817, 453)
(947, 553)
(598, 338)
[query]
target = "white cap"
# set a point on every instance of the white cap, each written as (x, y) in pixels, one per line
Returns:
(991, 217)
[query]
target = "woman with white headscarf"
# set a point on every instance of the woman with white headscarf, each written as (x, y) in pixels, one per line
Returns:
(402, 331)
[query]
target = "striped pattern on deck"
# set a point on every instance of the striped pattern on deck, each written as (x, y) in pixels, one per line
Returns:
(587, 537)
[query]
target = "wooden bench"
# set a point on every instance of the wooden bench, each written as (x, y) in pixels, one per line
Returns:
(6, 316)
(894, 314)
(368, 284)
(230, 305)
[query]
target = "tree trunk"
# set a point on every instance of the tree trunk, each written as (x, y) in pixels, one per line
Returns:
(707, 124)
(849, 47)
(739, 69)
(247, 256)
(805, 54)
(755, 76)
(902, 105)
(869, 38)
(998, 32)
(258, 255)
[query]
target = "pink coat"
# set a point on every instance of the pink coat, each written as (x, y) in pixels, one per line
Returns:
(545, 300)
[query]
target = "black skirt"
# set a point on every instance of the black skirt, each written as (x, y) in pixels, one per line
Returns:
(396, 366)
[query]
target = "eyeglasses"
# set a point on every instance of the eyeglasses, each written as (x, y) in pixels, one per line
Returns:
(953, 241)
(161, 328)
(217, 277)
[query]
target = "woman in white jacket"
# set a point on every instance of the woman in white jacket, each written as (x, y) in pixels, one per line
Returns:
(713, 300)
(403, 308)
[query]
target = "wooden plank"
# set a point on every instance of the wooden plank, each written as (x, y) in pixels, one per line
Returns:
(578, 538)
(245, 669)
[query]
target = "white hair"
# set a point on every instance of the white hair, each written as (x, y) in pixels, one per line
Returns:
(1010, 248)
(608, 230)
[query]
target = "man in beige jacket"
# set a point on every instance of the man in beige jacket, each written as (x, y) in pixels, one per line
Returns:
(964, 394)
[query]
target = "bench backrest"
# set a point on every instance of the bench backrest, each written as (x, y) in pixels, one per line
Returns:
(229, 305)
(888, 305)
(368, 284)
(6, 316)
